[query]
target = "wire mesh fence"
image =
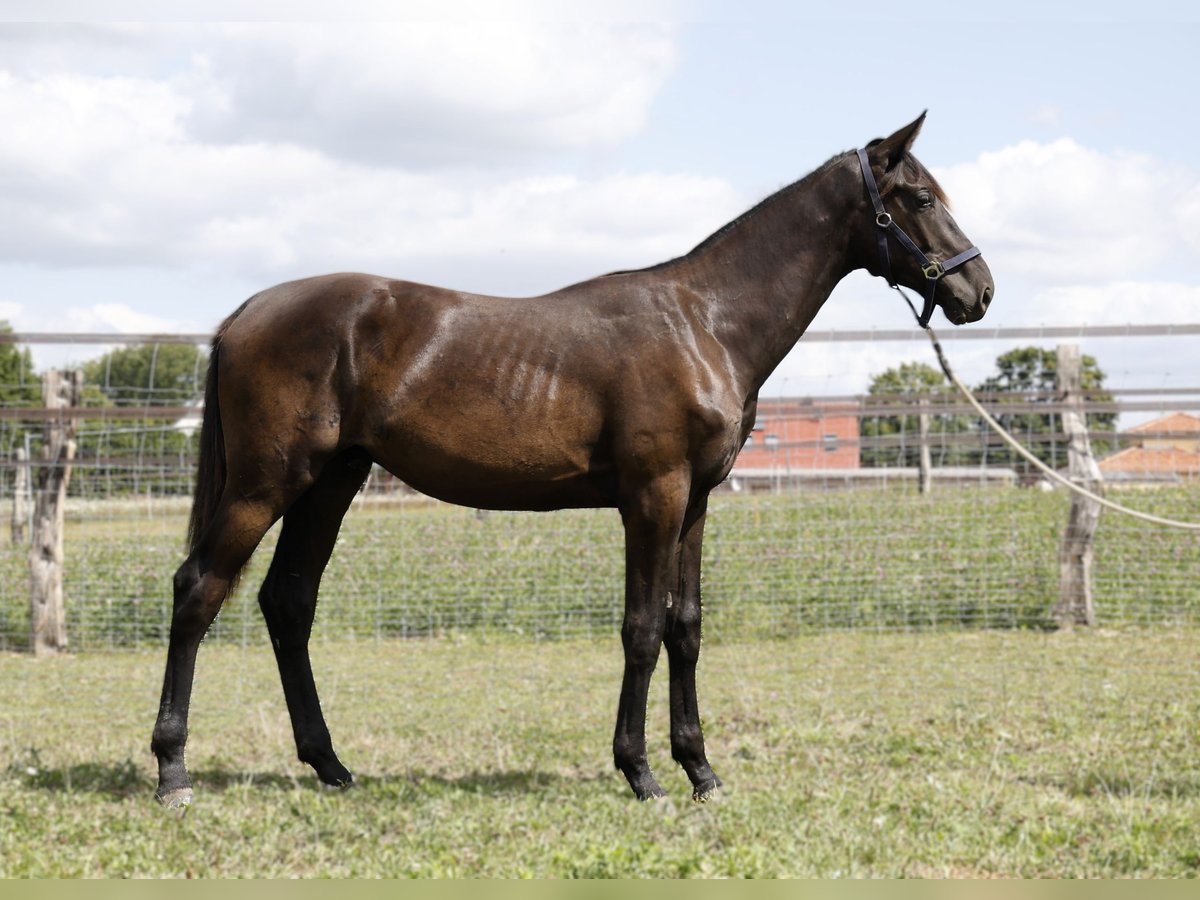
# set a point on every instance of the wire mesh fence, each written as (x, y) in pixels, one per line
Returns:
(823, 524)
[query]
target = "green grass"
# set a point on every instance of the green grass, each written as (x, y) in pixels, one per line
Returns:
(780, 565)
(960, 753)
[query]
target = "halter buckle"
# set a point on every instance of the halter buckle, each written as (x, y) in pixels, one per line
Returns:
(933, 271)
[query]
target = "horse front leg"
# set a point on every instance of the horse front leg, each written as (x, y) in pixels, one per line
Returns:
(288, 600)
(682, 640)
(653, 517)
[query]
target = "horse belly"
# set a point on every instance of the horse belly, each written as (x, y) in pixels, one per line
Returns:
(494, 457)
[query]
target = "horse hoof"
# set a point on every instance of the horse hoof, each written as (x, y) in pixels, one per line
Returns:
(343, 785)
(335, 776)
(179, 798)
(706, 790)
(649, 791)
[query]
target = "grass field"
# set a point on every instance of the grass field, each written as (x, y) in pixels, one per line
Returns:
(956, 753)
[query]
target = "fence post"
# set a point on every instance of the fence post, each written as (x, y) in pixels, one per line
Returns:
(925, 462)
(20, 504)
(1075, 606)
(48, 620)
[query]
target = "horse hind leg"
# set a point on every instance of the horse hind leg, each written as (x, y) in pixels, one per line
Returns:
(201, 585)
(288, 600)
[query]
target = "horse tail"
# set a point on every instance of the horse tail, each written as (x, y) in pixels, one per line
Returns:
(211, 470)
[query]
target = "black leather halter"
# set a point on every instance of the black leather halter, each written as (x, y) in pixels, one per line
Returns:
(933, 269)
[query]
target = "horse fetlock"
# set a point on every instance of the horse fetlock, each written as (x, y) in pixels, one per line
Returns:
(168, 741)
(644, 785)
(706, 789)
(687, 745)
(630, 759)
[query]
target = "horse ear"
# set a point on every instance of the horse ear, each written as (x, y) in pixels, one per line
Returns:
(887, 153)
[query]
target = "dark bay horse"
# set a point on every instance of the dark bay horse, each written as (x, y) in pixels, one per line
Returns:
(633, 390)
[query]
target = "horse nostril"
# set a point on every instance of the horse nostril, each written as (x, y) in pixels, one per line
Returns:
(986, 297)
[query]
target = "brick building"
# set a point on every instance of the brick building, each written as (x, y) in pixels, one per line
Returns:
(797, 435)
(1165, 449)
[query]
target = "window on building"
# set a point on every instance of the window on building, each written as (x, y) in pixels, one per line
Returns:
(830, 442)
(771, 441)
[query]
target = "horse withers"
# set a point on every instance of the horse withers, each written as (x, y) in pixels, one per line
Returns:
(633, 390)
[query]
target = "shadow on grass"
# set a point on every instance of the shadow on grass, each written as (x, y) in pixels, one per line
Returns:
(506, 783)
(127, 778)
(1108, 784)
(119, 780)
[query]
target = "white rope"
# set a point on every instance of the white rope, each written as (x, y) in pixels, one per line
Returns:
(1012, 442)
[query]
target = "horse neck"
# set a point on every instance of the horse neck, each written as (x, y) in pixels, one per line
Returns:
(766, 275)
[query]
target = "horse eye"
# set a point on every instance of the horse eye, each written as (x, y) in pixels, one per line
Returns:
(924, 200)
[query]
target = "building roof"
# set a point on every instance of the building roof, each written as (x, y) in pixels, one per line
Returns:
(1166, 460)
(1177, 422)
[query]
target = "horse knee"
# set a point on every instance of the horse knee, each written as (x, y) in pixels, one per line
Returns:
(641, 643)
(683, 633)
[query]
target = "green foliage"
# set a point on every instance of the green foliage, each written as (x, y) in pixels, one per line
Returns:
(129, 455)
(20, 386)
(1026, 375)
(895, 440)
(116, 455)
(148, 375)
(1030, 375)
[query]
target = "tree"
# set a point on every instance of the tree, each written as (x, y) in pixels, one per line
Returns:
(20, 386)
(893, 440)
(1029, 376)
(148, 375)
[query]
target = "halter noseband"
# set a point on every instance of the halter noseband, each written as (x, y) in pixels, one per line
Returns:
(886, 224)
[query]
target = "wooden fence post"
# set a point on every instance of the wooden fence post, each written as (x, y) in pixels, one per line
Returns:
(20, 504)
(1075, 605)
(925, 464)
(48, 620)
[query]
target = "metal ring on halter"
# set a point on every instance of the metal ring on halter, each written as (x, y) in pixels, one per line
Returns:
(884, 220)
(933, 270)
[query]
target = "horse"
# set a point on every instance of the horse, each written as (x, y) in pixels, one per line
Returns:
(633, 390)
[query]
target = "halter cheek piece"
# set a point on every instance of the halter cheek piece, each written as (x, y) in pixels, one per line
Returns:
(887, 225)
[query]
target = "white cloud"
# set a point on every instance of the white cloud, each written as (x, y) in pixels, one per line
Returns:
(392, 93)
(1062, 213)
(119, 318)
(1118, 303)
(427, 93)
(308, 131)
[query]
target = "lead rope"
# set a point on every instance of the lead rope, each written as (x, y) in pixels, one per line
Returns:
(1012, 442)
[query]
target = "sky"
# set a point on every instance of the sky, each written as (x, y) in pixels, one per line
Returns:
(154, 174)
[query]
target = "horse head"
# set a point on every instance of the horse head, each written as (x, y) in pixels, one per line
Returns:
(916, 242)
